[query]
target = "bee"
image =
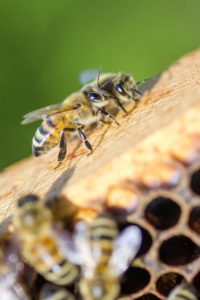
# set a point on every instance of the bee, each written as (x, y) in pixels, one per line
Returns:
(184, 291)
(38, 244)
(11, 268)
(103, 254)
(53, 292)
(92, 104)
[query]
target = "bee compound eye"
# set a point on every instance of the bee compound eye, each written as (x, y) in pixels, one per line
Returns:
(92, 96)
(119, 88)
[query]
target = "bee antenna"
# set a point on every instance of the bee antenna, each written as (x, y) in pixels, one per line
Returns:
(98, 76)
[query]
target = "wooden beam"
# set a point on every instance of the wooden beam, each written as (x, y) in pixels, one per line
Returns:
(167, 113)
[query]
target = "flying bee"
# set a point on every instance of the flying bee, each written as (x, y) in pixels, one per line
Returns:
(38, 244)
(52, 292)
(103, 254)
(184, 291)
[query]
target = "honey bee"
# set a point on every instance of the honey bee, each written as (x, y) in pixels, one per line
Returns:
(11, 267)
(38, 244)
(52, 292)
(92, 104)
(184, 291)
(103, 254)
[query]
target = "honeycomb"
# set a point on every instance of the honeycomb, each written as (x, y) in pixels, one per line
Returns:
(154, 183)
(168, 212)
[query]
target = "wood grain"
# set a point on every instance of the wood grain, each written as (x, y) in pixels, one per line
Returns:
(168, 112)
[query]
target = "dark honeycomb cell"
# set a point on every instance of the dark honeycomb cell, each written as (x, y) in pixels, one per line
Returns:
(162, 213)
(134, 280)
(178, 250)
(167, 282)
(146, 238)
(146, 242)
(194, 219)
(196, 282)
(195, 182)
(148, 297)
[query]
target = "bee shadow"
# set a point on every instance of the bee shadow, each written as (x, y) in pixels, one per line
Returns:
(62, 208)
(59, 183)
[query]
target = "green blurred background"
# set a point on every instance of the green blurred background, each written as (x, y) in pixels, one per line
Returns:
(45, 44)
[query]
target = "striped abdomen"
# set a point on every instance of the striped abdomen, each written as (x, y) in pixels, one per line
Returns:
(103, 232)
(52, 292)
(183, 292)
(46, 258)
(48, 134)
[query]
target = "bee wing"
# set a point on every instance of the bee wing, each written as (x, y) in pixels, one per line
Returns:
(40, 114)
(146, 80)
(88, 75)
(66, 245)
(126, 246)
(82, 242)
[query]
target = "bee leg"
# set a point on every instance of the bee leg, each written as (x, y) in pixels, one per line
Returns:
(63, 147)
(84, 139)
(107, 114)
(137, 92)
(118, 103)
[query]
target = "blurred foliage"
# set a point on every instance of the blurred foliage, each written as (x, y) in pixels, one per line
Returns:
(45, 44)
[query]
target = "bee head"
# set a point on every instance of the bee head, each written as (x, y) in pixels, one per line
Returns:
(31, 198)
(124, 86)
(32, 215)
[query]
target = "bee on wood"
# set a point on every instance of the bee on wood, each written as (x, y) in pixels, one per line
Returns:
(38, 244)
(103, 254)
(53, 292)
(92, 104)
(184, 291)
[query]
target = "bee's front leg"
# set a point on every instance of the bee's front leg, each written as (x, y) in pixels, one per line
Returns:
(120, 105)
(105, 113)
(84, 139)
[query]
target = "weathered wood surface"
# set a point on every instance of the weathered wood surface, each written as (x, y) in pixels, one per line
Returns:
(164, 122)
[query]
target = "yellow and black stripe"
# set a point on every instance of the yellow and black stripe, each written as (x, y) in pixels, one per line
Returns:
(102, 234)
(48, 134)
(49, 262)
(184, 292)
(52, 292)
(38, 244)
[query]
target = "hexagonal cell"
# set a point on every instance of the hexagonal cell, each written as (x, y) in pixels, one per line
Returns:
(194, 219)
(148, 296)
(195, 182)
(178, 250)
(196, 282)
(162, 212)
(122, 201)
(167, 282)
(146, 238)
(134, 280)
